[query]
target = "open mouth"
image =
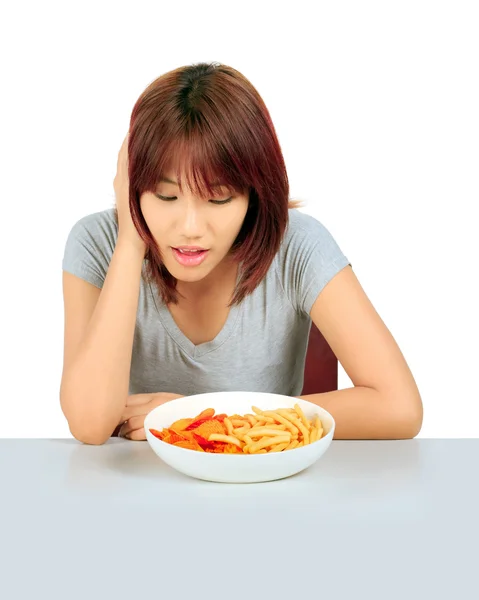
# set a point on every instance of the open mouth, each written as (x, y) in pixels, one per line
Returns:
(189, 258)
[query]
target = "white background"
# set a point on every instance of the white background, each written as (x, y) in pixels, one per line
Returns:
(376, 108)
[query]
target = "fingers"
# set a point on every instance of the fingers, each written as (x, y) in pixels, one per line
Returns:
(137, 435)
(135, 411)
(137, 405)
(142, 404)
(131, 426)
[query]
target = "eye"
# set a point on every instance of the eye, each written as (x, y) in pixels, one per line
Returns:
(171, 198)
(227, 201)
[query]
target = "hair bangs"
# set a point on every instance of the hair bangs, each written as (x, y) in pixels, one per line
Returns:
(199, 164)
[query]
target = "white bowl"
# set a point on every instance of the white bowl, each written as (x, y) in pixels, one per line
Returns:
(236, 468)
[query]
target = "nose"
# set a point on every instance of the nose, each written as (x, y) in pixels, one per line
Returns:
(193, 225)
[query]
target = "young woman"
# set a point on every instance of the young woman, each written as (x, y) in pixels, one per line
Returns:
(205, 277)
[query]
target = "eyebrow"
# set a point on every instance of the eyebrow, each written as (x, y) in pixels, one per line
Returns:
(166, 180)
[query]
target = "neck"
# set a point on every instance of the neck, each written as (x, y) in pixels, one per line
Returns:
(221, 280)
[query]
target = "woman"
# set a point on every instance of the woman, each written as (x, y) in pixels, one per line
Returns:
(204, 277)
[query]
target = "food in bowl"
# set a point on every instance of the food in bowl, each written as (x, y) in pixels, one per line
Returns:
(259, 432)
(236, 467)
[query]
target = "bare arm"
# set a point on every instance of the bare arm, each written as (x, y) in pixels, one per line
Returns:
(98, 346)
(385, 402)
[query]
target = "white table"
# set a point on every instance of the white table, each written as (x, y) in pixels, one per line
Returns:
(389, 519)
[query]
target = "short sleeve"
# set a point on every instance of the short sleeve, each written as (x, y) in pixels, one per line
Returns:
(311, 258)
(89, 247)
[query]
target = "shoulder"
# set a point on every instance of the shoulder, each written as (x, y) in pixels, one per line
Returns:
(306, 230)
(102, 225)
(305, 237)
(308, 258)
(90, 245)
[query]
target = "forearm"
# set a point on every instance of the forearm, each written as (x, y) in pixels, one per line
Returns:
(95, 387)
(363, 413)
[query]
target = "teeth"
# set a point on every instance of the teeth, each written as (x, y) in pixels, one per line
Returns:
(189, 251)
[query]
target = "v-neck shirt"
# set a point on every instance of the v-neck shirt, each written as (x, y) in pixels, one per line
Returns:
(196, 351)
(262, 345)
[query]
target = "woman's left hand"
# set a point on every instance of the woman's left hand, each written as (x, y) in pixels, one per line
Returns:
(136, 409)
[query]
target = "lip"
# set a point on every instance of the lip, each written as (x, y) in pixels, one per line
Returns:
(189, 248)
(189, 261)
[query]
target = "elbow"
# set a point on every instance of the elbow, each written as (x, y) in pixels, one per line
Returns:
(84, 428)
(409, 428)
(416, 423)
(89, 432)
(409, 421)
(89, 435)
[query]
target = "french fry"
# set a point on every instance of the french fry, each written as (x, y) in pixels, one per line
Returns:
(292, 445)
(262, 425)
(263, 431)
(264, 420)
(229, 426)
(251, 419)
(279, 447)
(300, 414)
(284, 421)
(266, 442)
(297, 423)
(219, 437)
(244, 429)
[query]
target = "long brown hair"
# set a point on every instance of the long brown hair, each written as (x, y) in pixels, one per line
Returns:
(209, 121)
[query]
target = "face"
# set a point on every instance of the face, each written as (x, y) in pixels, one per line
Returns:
(178, 220)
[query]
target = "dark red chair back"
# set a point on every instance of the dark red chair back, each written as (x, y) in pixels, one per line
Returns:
(321, 368)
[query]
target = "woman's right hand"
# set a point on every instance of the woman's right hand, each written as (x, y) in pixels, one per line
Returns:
(126, 228)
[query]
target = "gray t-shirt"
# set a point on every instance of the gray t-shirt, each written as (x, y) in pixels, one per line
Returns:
(262, 346)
